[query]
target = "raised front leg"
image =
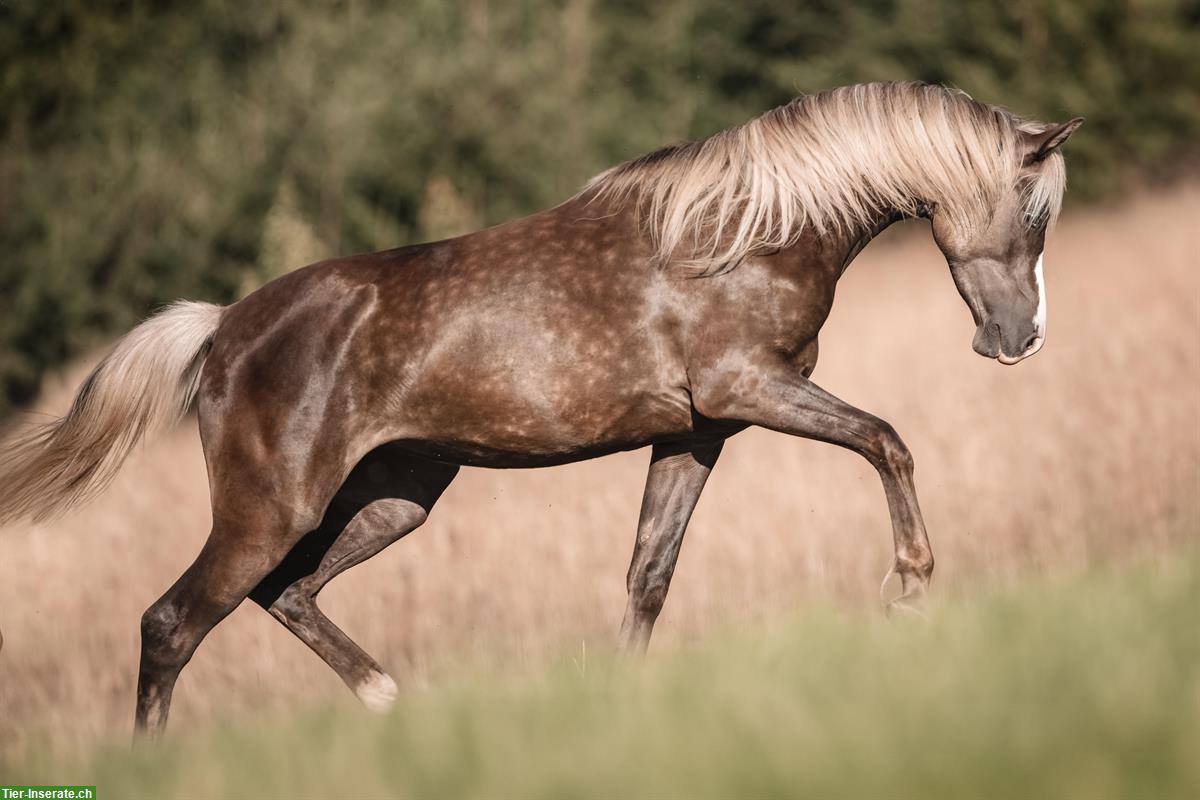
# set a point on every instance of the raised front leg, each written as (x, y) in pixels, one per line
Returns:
(677, 476)
(773, 394)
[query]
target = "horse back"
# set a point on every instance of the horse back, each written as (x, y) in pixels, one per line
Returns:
(539, 341)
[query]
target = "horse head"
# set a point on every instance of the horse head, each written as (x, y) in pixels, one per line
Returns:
(997, 263)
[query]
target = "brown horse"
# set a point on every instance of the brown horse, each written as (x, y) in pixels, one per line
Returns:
(673, 302)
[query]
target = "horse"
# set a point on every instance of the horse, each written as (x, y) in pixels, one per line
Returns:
(674, 301)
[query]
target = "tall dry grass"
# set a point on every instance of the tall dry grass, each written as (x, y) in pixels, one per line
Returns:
(1091, 450)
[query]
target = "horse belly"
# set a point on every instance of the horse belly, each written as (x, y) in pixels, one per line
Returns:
(500, 415)
(509, 435)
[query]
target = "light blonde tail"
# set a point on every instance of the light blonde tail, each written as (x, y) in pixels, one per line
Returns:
(144, 385)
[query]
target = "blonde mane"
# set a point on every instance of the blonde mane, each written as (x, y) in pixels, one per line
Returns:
(832, 161)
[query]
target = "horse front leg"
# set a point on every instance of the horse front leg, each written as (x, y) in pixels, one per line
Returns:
(677, 475)
(773, 394)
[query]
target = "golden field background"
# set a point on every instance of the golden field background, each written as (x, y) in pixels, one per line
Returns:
(1088, 452)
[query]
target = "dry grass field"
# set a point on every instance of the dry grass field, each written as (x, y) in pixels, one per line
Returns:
(1088, 453)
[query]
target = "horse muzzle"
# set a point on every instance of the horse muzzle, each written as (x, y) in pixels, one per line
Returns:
(990, 342)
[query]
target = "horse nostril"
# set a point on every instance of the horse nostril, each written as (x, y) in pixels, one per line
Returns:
(1030, 342)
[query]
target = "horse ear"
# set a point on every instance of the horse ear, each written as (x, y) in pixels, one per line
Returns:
(1044, 143)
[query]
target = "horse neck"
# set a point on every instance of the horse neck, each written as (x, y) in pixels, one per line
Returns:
(855, 240)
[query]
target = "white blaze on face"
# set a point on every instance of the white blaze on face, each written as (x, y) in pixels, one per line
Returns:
(1039, 321)
(1039, 318)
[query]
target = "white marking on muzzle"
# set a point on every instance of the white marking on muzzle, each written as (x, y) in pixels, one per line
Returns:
(377, 692)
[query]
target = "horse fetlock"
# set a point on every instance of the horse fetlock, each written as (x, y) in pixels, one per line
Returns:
(915, 570)
(649, 596)
(154, 703)
(915, 567)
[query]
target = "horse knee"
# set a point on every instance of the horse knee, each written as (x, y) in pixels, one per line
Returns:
(888, 450)
(295, 606)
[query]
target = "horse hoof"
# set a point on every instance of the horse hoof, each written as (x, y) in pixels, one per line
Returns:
(377, 692)
(898, 608)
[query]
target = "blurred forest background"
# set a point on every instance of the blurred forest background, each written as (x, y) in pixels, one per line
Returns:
(155, 150)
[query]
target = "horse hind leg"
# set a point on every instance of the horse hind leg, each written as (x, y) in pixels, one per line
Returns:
(259, 514)
(233, 560)
(388, 495)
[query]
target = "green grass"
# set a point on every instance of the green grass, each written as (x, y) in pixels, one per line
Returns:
(1084, 687)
